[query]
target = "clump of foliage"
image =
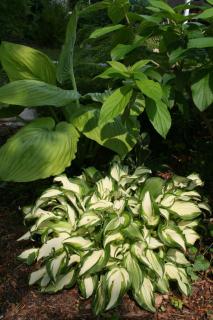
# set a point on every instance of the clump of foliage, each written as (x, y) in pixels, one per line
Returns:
(174, 70)
(123, 232)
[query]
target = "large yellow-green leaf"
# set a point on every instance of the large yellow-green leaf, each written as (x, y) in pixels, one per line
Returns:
(114, 135)
(38, 151)
(22, 63)
(34, 93)
(115, 104)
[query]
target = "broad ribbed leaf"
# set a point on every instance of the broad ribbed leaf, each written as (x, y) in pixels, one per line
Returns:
(115, 104)
(159, 116)
(114, 135)
(65, 64)
(38, 151)
(105, 30)
(202, 90)
(33, 93)
(22, 63)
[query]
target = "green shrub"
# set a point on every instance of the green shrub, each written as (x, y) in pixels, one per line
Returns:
(127, 231)
(14, 18)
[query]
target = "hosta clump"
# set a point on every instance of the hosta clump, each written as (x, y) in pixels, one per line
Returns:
(111, 234)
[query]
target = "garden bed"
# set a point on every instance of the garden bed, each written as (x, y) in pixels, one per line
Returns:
(19, 301)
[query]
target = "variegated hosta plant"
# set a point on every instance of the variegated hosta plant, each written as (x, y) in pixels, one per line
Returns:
(112, 234)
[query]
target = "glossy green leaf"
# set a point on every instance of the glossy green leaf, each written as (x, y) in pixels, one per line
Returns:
(117, 10)
(199, 43)
(105, 30)
(65, 64)
(25, 63)
(161, 5)
(202, 90)
(33, 93)
(38, 151)
(115, 104)
(150, 89)
(206, 14)
(159, 116)
(120, 51)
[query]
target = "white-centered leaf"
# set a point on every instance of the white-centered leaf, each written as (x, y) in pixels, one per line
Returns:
(191, 236)
(145, 295)
(78, 243)
(67, 184)
(54, 265)
(93, 262)
(89, 219)
(87, 285)
(117, 282)
(177, 256)
(37, 275)
(51, 245)
(185, 210)
(134, 270)
(63, 281)
(171, 235)
(29, 255)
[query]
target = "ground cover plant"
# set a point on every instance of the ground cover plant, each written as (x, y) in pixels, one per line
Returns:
(153, 84)
(123, 232)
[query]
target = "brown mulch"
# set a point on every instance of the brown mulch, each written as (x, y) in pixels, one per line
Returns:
(18, 301)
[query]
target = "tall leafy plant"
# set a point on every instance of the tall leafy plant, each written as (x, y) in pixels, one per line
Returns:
(153, 83)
